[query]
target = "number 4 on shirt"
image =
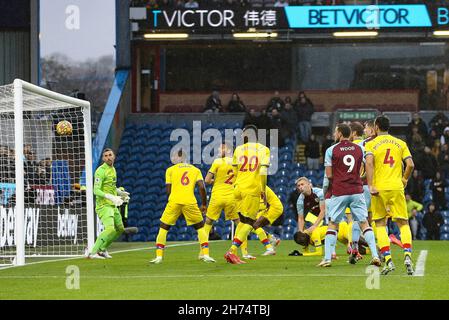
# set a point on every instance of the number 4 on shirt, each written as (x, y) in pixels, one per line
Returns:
(389, 159)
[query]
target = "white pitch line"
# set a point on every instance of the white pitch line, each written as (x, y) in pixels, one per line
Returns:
(421, 264)
(113, 252)
(198, 276)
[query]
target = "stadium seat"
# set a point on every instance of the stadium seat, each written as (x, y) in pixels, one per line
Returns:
(444, 236)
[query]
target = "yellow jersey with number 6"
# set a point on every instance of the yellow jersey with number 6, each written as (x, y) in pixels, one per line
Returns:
(389, 153)
(183, 178)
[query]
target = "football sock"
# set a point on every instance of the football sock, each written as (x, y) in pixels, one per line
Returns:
(355, 235)
(373, 226)
(241, 235)
(350, 232)
(160, 242)
(111, 239)
(329, 244)
(244, 247)
(368, 234)
(384, 243)
(406, 239)
(263, 238)
(203, 240)
(103, 239)
(207, 229)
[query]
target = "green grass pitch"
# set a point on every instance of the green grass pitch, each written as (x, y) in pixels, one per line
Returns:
(181, 276)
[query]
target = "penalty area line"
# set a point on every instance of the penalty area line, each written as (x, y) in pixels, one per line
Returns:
(421, 264)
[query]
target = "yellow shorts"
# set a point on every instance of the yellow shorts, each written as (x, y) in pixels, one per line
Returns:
(246, 204)
(343, 232)
(219, 204)
(271, 214)
(394, 200)
(172, 211)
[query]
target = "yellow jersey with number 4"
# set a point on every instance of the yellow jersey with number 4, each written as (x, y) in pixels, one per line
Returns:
(249, 158)
(389, 153)
(223, 172)
(183, 178)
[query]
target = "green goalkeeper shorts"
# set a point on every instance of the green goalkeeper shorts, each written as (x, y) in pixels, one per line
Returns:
(110, 217)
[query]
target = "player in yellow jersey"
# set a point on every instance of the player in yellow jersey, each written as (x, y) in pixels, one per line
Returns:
(269, 212)
(222, 175)
(316, 238)
(387, 180)
(181, 179)
(251, 161)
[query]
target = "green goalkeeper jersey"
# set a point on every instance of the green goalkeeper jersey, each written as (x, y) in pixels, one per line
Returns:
(105, 182)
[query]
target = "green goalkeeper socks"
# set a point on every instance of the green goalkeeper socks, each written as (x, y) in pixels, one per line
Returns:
(102, 240)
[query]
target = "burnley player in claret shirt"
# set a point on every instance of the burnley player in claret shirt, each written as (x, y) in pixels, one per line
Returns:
(343, 162)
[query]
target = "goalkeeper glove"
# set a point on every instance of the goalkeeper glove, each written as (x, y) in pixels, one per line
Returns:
(117, 201)
(123, 194)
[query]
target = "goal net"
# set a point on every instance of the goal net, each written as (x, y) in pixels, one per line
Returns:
(46, 205)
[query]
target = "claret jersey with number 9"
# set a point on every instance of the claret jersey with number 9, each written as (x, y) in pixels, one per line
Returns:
(183, 178)
(248, 159)
(389, 153)
(346, 159)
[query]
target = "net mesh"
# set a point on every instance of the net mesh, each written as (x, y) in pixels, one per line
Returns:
(54, 163)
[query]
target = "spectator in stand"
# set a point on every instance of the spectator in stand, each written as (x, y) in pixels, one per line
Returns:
(432, 221)
(327, 143)
(432, 137)
(418, 122)
(251, 118)
(439, 122)
(436, 149)
(289, 117)
(264, 121)
(293, 200)
(438, 184)
(281, 3)
(235, 104)
(166, 4)
(443, 160)
(312, 153)
(152, 4)
(191, 4)
(179, 4)
(275, 103)
(428, 164)
(413, 208)
(414, 140)
(304, 108)
(231, 4)
(213, 103)
(44, 171)
(444, 139)
(415, 185)
(277, 123)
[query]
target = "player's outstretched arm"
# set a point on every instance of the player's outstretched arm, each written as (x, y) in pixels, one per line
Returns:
(209, 178)
(409, 166)
(370, 172)
(203, 194)
(318, 252)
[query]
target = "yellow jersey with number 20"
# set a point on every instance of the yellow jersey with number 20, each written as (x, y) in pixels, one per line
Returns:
(249, 158)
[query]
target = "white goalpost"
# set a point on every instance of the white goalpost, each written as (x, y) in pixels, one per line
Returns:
(46, 196)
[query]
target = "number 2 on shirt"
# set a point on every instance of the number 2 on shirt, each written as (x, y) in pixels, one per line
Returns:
(389, 159)
(253, 163)
(231, 176)
(185, 179)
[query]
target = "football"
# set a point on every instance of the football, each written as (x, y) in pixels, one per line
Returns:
(64, 128)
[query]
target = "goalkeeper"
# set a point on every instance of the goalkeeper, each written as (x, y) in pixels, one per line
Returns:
(108, 198)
